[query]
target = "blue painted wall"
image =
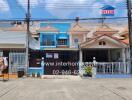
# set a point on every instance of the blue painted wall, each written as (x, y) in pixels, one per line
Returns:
(62, 34)
(32, 70)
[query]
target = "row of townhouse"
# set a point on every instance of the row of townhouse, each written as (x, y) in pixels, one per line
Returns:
(65, 47)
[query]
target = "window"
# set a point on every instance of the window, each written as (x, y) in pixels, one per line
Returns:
(49, 55)
(62, 41)
(76, 40)
(48, 40)
(36, 38)
(102, 43)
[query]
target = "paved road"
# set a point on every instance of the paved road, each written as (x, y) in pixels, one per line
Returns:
(66, 89)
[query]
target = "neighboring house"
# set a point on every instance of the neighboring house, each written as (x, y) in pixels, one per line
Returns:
(110, 52)
(12, 46)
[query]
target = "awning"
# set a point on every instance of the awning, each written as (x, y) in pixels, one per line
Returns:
(12, 39)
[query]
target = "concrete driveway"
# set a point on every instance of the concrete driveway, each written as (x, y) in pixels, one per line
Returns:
(66, 89)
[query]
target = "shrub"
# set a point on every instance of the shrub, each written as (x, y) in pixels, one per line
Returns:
(88, 70)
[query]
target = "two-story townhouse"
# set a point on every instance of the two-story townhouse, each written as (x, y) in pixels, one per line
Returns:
(55, 48)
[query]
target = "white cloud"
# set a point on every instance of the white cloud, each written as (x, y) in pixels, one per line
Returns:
(4, 6)
(23, 3)
(57, 8)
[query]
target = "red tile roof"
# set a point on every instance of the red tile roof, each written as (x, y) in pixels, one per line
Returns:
(48, 29)
(16, 28)
(105, 30)
(125, 42)
(78, 29)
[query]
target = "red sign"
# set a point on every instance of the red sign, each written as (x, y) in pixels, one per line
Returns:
(108, 11)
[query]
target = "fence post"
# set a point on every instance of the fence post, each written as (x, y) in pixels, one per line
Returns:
(119, 68)
(112, 67)
(103, 68)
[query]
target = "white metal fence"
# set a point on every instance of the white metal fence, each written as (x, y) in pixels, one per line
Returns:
(16, 62)
(109, 67)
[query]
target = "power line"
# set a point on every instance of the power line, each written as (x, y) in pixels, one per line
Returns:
(66, 19)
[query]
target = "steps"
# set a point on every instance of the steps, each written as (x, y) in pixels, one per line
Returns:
(74, 77)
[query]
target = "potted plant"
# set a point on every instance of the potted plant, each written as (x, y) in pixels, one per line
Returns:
(33, 74)
(88, 71)
(38, 74)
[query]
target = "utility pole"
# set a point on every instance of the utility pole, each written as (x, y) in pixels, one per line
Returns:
(27, 35)
(130, 29)
(102, 21)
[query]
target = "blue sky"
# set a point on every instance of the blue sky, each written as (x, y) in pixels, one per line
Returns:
(59, 8)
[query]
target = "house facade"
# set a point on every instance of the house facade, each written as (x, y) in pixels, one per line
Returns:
(68, 48)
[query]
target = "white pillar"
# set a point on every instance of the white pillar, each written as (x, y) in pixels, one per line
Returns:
(128, 60)
(70, 41)
(80, 62)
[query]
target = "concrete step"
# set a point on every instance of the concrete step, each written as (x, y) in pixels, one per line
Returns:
(60, 77)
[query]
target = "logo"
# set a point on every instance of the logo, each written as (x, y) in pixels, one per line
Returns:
(108, 10)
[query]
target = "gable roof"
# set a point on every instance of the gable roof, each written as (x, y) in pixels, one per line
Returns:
(82, 45)
(78, 29)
